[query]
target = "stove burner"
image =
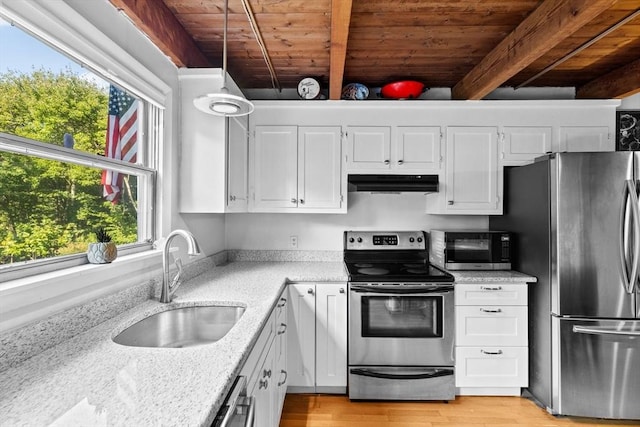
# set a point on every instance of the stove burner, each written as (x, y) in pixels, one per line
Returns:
(421, 266)
(373, 271)
(415, 271)
(362, 265)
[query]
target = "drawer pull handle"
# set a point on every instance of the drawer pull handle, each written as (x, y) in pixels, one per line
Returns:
(486, 310)
(491, 288)
(492, 353)
(281, 383)
(284, 328)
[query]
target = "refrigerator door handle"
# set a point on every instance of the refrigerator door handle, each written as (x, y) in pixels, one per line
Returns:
(604, 331)
(630, 280)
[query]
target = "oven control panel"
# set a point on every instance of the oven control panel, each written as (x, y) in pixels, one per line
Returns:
(385, 240)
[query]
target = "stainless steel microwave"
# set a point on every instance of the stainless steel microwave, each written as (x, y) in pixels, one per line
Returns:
(470, 249)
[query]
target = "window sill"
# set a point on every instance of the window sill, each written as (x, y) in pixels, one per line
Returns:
(37, 297)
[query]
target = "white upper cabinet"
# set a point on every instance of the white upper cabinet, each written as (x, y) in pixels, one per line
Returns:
(585, 138)
(417, 148)
(368, 147)
(275, 167)
(522, 144)
(397, 149)
(213, 151)
(237, 164)
(319, 167)
(297, 169)
(473, 181)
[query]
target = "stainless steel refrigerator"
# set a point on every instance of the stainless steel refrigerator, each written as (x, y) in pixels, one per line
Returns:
(576, 221)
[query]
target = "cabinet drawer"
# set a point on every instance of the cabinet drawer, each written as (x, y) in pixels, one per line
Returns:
(492, 366)
(259, 351)
(491, 325)
(491, 294)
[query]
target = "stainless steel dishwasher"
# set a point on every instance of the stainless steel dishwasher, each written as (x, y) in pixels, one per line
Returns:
(238, 408)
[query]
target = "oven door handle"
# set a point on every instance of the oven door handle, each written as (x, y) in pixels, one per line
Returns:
(431, 374)
(427, 290)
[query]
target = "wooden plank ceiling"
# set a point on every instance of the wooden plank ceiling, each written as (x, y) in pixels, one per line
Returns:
(470, 46)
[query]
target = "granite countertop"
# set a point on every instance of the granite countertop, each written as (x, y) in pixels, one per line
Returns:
(477, 276)
(89, 380)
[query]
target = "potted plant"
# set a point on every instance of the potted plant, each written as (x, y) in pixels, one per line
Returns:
(104, 251)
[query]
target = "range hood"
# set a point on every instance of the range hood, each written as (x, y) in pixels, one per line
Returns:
(394, 183)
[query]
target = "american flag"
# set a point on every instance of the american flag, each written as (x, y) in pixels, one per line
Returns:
(122, 138)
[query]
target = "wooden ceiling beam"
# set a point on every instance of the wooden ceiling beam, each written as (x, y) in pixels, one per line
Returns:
(340, 20)
(619, 83)
(157, 21)
(549, 24)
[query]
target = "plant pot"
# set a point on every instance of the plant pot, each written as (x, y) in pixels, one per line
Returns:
(102, 253)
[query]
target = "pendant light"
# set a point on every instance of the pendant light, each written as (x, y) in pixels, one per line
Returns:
(224, 103)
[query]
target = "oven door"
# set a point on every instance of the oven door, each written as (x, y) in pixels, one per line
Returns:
(401, 327)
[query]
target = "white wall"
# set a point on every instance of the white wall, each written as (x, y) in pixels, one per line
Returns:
(631, 103)
(324, 231)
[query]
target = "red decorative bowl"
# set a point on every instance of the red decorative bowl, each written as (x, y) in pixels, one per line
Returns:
(406, 89)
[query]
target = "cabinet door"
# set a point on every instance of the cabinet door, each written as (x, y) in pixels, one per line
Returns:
(319, 171)
(263, 393)
(331, 335)
(521, 145)
(238, 152)
(472, 170)
(301, 335)
(280, 364)
(369, 147)
(585, 138)
(275, 167)
(417, 148)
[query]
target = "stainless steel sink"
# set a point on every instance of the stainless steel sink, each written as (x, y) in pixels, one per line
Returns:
(181, 327)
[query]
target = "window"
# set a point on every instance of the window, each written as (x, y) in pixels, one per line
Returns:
(77, 152)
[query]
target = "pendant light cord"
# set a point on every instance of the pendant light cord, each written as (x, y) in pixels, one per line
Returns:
(224, 44)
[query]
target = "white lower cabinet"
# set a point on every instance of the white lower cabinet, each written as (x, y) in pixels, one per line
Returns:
(317, 338)
(491, 338)
(265, 368)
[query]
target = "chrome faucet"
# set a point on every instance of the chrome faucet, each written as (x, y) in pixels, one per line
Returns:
(169, 288)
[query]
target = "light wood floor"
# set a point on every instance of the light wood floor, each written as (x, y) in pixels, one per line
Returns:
(308, 410)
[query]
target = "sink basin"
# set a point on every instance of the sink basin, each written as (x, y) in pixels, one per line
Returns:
(181, 327)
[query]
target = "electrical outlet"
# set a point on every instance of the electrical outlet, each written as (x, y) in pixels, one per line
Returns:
(293, 242)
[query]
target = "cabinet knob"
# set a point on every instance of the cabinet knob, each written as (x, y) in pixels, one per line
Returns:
(283, 302)
(449, 202)
(310, 291)
(283, 330)
(263, 384)
(400, 162)
(342, 290)
(294, 200)
(266, 373)
(302, 201)
(232, 198)
(386, 162)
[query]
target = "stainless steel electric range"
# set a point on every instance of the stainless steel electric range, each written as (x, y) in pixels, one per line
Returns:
(401, 314)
